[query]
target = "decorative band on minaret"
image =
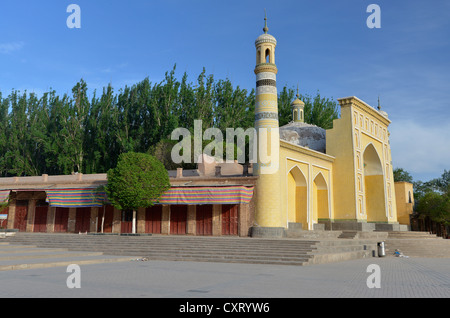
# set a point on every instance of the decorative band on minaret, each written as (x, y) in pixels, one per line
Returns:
(267, 128)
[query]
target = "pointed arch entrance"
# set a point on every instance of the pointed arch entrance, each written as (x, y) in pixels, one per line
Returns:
(297, 197)
(320, 198)
(374, 186)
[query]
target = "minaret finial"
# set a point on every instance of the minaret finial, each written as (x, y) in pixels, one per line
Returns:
(265, 29)
(379, 106)
(298, 96)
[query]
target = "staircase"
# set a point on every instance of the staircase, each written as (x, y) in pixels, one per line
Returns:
(203, 249)
(417, 244)
(34, 250)
(348, 234)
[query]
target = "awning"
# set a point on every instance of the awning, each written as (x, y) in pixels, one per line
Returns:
(207, 195)
(75, 197)
(4, 196)
(176, 195)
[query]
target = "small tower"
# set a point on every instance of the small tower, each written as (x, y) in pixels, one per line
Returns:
(382, 112)
(298, 110)
(268, 195)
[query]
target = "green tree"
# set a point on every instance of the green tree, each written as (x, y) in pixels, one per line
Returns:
(63, 134)
(137, 181)
(234, 107)
(318, 110)
(99, 139)
(57, 148)
(402, 175)
(285, 98)
(3, 134)
(433, 198)
(436, 206)
(441, 184)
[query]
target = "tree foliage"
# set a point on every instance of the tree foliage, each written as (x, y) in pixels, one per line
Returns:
(137, 181)
(433, 198)
(436, 206)
(84, 131)
(402, 175)
(318, 110)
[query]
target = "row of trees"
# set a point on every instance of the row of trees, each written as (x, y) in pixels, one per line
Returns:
(432, 198)
(82, 132)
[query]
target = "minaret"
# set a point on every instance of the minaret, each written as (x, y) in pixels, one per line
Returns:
(298, 106)
(266, 124)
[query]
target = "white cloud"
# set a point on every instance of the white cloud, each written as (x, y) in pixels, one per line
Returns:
(7, 48)
(421, 148)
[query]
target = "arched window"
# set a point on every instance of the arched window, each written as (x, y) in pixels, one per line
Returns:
(409, 197)
(267, 55)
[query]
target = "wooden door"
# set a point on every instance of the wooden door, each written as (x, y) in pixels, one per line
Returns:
(4, 222)
(229, 219)
(105, 215)
(204, 219)
(83, 220)
(153, 219)
(40, 218)
(126, 226)
(61, 219)
(178, 218)
(20, 219)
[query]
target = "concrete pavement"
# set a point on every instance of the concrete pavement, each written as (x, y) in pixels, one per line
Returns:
(399, 278)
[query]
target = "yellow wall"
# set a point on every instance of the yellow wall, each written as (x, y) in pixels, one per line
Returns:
(360, 128)
(322, 204)
(375, 201)
(340, 145)
(404, 206)
(304, 202)
(297, 202)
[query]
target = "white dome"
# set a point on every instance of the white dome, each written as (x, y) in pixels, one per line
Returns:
(305, 135)
(265, 38)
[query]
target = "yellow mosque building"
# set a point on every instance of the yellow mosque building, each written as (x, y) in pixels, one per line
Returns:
(336, 179)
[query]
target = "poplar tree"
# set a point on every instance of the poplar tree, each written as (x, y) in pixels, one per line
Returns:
(72, 132)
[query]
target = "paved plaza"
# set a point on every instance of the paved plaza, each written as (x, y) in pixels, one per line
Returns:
(399, 278)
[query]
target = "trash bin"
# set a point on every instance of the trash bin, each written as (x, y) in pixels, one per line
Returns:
(381, 250)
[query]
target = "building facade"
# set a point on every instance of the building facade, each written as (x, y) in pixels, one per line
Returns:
(335, 179)
(305, 177)
(195, 205)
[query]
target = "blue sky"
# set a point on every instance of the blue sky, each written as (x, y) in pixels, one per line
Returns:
(322, 45)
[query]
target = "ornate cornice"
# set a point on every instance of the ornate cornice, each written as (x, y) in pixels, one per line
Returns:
(306, 151)
(266, 115)
(356, 102)
(266, 67)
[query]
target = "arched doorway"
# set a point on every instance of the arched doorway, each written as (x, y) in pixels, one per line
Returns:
(297, 198)
(320, 199)
(374, 186)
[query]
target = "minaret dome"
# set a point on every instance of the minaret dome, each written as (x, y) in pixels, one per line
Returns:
(298, 110)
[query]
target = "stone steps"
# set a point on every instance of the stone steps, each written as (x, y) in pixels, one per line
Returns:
(413, 234)
(180, 247)
(419, 247)
(348, 234)
(417, 244)
(208, 249)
